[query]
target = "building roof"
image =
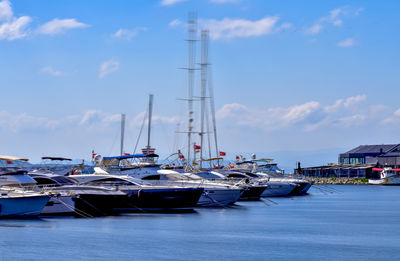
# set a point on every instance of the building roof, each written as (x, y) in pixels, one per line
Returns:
(383, 148)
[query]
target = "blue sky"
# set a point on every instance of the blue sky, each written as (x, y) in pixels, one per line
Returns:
(289, 76)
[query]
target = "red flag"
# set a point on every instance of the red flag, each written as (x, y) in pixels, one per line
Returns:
(94, 155)
(196, 147)
(9, 162)
(221, 153)
(237, 157)
(181, 156)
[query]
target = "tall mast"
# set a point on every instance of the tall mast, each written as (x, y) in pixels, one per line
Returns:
(122, 132)
(212, 105)
(149, 121)
(192, 29)
(204, 63)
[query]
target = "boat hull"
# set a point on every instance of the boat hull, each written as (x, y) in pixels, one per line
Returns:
(217, 197)
(160, 199)
(22, 206)
(278, 189)
(252, 193)
(394, 181)
(301, 189)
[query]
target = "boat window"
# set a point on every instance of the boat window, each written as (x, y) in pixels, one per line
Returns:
(152, 177)
(45, 181)
(207, 175)
(110, 182)
(236, 176)
(63, 180)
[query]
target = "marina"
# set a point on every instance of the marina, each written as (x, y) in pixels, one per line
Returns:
(199, 130)
(343, 224)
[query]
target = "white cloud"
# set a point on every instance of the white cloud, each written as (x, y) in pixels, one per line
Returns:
(354, 100)
(315, 29)
(335, 18)
(125, 34)
(59, 26)
(233, 28)
(171, 2)
(6, 12)
(174, 23)
(347, 42)
(269, 119)
(98, 117)
(14, 28)
(19, 122)
(50, 70)
(309, 116)
(108, 67)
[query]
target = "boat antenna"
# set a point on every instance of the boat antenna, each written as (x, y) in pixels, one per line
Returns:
(122, 132)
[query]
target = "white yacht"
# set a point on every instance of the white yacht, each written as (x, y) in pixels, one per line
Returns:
(216, 194)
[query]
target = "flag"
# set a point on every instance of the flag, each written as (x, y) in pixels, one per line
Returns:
(9, 162)
(94, 155)
(181, 156)
(221, 153)
(196, 147)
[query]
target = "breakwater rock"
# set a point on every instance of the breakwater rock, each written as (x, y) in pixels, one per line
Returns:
(339, 181)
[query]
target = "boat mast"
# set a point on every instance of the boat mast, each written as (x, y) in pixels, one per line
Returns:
(212, 105)
(149, 120)
(122, 132)
(203, 64)
(192, 29)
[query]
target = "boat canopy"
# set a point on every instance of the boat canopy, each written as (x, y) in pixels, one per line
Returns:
(55, 158)
(263, 160)
(130, 156)
(11, 158)
(211, 159)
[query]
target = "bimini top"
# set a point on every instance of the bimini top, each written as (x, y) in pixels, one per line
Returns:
(131, 156)
(211, 159)
(11, 158)
(55, 158)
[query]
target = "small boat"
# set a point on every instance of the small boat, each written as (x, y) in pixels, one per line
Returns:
(388, 176)
(21, 203)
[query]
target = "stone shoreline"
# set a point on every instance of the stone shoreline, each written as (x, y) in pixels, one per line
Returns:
(339, 181)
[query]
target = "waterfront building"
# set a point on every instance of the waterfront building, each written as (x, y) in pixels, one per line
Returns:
(358, 162)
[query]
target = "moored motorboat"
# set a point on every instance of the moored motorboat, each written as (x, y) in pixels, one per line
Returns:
(143, 196)
(21, 203)
(388, 176)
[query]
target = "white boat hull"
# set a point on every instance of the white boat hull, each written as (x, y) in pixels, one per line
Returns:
(385, 181)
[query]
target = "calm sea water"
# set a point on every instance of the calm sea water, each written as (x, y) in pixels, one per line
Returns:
(337, 223)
